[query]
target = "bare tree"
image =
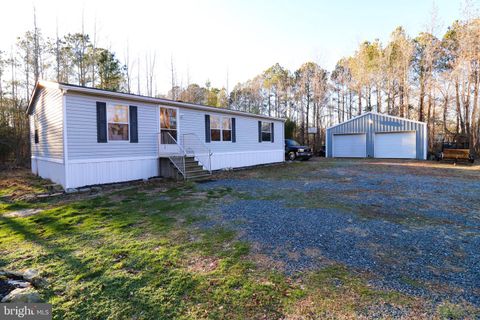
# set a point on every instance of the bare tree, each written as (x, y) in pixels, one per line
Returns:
(150, 72)
(173, 79)
(128, 68)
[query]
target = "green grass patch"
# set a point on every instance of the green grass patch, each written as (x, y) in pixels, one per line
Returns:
(340, 280)
(126, 255)
(451, 311)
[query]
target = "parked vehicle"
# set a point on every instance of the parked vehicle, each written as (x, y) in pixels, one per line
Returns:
(294, 150)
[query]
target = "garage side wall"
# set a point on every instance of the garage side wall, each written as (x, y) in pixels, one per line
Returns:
(371, 123)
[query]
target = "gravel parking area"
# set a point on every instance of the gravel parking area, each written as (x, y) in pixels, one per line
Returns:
(413, 227)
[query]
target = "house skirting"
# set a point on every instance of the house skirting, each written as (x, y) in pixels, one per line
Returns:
(241, 159)
(49, 168)
(101, 171)
(86, 172)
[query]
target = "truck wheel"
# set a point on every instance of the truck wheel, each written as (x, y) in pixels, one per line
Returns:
(291, 156)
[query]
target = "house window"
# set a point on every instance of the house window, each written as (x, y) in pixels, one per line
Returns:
(266, 131)
(220, 128)
(168, 125)
(117, 118)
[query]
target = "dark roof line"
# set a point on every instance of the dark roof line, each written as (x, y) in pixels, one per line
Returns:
(78, 88)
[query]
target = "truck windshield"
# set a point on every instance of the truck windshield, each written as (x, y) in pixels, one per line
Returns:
(292, 143)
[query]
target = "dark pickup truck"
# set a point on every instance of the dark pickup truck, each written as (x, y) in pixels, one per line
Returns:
(293, 150)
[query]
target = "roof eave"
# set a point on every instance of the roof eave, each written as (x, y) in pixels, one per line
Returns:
(40, 84)
(375, 113)
(161, 101)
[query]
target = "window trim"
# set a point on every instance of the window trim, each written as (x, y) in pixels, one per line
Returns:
(269, 130)
(221, 128)
(127, 123)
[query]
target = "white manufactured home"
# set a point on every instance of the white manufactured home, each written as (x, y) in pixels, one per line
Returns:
(85, 136)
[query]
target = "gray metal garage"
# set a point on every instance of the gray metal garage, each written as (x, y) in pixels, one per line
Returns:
(374, 135)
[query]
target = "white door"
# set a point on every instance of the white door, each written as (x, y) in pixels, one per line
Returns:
(401, 145)
(168, 131)
(349, 145)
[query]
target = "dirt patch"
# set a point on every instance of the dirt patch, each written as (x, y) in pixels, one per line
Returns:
(23, 213)
(430, 168)
(266, 262)
(18, 184)
(202, 264)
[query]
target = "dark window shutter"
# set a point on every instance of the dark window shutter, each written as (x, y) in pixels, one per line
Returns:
(207, 128)
(101, 122)
(272, 137)
(133, 124)
(259, 131)
(234, 131)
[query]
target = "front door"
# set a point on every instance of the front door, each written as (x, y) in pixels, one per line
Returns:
(168, 130)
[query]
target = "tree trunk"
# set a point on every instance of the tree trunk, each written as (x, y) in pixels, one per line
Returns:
(422, 98)
(429, 123)
(445, 112)
(379, 99)
(460, 122)
(466, 108)
(359, 101)
(389, 98)
(402, 101)
(307, 117)
(339, 111)
(350, 106)
(369, 98)
(473, 136)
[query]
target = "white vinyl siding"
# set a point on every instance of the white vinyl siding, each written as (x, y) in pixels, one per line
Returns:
(400, 145)
(349, 145)
(48, 111)
(246, 129)
(82, 130)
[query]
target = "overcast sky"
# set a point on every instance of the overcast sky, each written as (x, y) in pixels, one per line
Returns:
(245, 37)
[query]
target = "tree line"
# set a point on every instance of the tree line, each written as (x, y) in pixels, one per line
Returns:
(425, 78)
(428, 78)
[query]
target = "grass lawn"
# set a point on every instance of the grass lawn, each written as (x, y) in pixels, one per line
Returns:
(141, 252)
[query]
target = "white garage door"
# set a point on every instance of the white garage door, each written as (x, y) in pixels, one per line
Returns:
(395, 145)
(349, 145)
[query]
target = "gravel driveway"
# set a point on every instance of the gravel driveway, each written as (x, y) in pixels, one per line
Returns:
(414, 226)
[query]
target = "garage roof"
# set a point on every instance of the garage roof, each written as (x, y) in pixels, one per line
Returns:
(376, 113)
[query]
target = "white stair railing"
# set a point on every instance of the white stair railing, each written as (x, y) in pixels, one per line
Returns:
(178, 157)
(195, 147)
